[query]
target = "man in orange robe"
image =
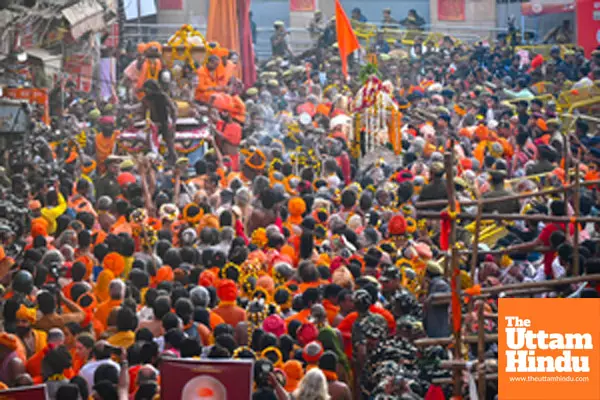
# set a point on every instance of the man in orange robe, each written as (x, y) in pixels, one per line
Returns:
(227, 309)
(117, 291)
(210, 81)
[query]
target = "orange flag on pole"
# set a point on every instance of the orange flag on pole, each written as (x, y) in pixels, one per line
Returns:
(346, 37)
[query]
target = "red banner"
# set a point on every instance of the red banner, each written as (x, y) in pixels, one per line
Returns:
(211, 379)
(27, 393)
(80, 70)
(302, 5)
(170, 4)
(33, 96)
(451, 10)
(588, 24)
(544, 8)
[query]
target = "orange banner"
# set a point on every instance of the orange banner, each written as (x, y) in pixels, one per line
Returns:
(451, 10)
(33, 96)
(302, 5)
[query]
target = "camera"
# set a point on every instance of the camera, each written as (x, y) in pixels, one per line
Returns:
(262, 369)
(56, 270)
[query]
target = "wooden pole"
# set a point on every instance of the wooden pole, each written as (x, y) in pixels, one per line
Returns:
(471, 339)
(446, 381)
(475, 244)
(567, 158)
(576, 201)
(438, 298)
(481, 384)
(507, 250)
(457, 333)
(510, 217)
(437, 203)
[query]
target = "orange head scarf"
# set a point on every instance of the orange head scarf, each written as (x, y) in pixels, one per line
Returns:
(114, 262)
(39, 227)
(164, 273)
(207, 278)
(294, 372)
(27, 314)
(101, 290)
(227, 290)
(296, 207)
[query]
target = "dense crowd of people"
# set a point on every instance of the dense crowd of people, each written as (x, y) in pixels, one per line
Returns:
(290, 243)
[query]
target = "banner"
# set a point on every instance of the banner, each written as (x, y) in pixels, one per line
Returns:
(588, 24)
(544, 7)
(206, 379)
(80, 70)
(451, 10)
(33, 96)
(27, 393)
(302, 5)
(548, 349)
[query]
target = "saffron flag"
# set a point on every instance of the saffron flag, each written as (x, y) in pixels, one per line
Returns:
(347, 41)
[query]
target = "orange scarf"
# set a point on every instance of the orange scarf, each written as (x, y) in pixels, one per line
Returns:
(330, 375)
(150, 70)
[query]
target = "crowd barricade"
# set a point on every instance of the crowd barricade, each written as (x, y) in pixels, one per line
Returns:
(568, 98)
(545, 98)
(579, 109)
(544, 49)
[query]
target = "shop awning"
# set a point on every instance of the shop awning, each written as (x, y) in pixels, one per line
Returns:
(85, 16)
(52, 62)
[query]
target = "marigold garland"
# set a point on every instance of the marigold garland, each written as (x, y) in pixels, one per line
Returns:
(259, 237)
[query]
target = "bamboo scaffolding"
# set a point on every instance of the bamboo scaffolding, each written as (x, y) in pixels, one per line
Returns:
(471, 339)
(525, 288)
(512, 217)
(545, 192)
(440, 298)
(449, 160)
(445, 381)
(476, 240)
(577, 206)
(481, 385)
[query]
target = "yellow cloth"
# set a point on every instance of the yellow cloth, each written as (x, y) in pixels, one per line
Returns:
(27, 314)
(51, 214)
(41, 339)
(101, 289)
(128, 266)
(122, 339)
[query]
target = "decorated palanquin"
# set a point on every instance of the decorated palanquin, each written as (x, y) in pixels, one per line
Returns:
(377, 119)
(187, 47)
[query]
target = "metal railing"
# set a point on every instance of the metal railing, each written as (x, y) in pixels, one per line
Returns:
(300, 37)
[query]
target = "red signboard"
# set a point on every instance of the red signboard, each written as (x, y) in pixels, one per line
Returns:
(588, 24)
(302, 5)
(170, 4)
(211, 379)
(79, 69)
(113, 36)
(33, 96)
(26, 393)
(451, 10)
(547, 7)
